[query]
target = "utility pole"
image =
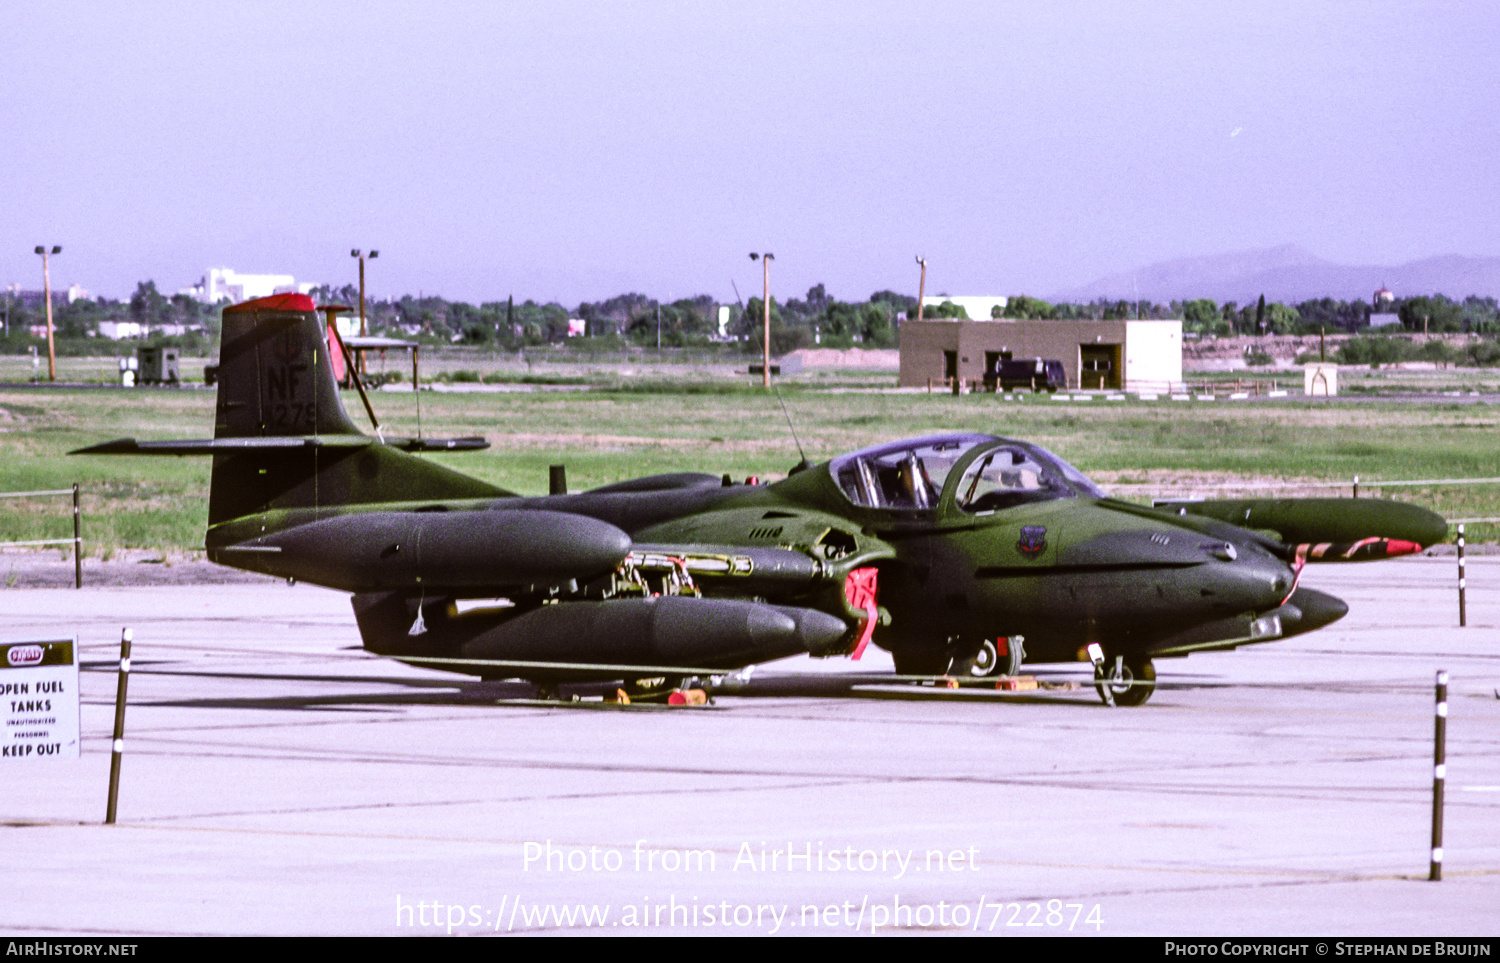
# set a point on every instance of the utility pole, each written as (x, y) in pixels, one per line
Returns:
(765, 260)
(47, 293)
(922, 287)
(364, 325)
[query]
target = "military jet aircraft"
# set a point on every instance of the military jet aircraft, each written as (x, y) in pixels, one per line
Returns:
(959, 553)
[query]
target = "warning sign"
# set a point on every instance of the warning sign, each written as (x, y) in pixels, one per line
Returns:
(38, 701)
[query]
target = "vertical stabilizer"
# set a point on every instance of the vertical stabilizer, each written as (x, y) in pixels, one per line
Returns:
(275, 378)
(275, 382)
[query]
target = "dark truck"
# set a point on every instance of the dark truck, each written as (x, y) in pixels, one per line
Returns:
(1038, 374)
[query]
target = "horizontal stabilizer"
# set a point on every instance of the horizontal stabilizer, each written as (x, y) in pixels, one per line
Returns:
(220, 446)
(211, 446)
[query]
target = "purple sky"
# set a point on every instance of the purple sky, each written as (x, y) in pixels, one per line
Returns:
(573, 151)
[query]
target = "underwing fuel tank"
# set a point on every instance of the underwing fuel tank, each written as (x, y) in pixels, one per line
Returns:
(667, 630)
(374, 551)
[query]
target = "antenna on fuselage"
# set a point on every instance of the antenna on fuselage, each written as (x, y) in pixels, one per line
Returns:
(804, 464)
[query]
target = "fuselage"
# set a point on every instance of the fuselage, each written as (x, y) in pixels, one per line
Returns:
(934, 547)
(973, 538)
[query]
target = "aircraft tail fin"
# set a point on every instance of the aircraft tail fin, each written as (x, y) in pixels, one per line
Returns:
(282, 437)
(275, 373)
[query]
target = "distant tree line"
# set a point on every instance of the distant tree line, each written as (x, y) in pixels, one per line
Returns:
(636, 319)
(817, 318)
(1203, 316)
(77, 325)
(824, 321)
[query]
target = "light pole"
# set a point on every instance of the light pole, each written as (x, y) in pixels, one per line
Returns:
(47, 293)
(364, 327)
(765, 369)
(922, 287)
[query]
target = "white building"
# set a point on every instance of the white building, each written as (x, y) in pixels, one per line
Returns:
(226, 284)
(119, 330)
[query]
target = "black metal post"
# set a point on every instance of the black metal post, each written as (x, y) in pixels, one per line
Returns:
(77, 541)
(1463, 615)
(117, 748)
(1439, 774)
(557, 480)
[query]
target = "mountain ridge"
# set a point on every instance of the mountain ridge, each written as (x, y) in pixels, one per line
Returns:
(1289, 273)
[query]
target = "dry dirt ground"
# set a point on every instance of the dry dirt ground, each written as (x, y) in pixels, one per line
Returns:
(128, 568)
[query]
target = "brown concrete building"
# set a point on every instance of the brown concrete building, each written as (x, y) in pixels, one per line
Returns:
(1118, 354)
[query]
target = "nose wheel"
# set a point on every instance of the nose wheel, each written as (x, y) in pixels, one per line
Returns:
(1123, 681)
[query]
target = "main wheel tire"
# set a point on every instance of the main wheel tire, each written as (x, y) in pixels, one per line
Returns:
(989, 663)
(985, 663)
(1131, 684)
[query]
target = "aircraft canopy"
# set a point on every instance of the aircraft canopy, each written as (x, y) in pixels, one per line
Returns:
(911, 475)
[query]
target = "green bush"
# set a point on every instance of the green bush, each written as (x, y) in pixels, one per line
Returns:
(1483, 354)
(1439, 351)
(1373, 351)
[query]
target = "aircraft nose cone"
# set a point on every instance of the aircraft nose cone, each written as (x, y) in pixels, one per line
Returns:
(1310, 609)
(1260, 581)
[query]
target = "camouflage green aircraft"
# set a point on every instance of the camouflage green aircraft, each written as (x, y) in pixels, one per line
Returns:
(962, 554)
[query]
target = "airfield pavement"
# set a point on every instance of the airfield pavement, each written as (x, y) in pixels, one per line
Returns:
(277, 780)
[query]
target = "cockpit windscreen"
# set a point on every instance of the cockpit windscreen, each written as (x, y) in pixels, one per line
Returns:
(904, 475)
(910, 475)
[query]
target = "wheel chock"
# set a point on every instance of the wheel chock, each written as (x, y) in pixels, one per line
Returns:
(687, 697)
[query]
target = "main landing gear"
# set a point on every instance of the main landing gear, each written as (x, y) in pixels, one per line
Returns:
(989, 658)
(1125, 680)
